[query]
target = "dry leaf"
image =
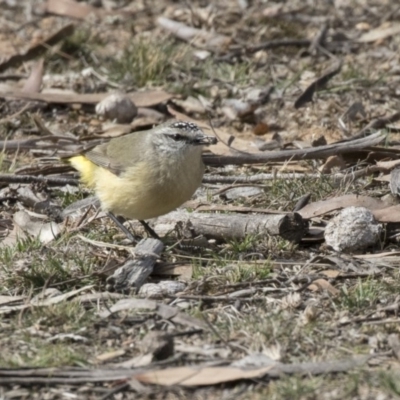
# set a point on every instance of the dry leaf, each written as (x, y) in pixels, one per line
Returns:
(380, 33)
(62, 297)
(330, 273)
(141, 99)
(34, 82)
(272, 11)
(321, 285)
(114, 130)
(389, 214)
(197, 37)
(388, 165)
(332, 162)
(37, 49)
(73, 9)
(136, 362)
(227, 143)
(45, 231)
(110, 355)
(325, 206)
(7, 300)
(70, 8)
(190, 105)
(191, 376)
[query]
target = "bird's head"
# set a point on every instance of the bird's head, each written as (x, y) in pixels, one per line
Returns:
(182, 135)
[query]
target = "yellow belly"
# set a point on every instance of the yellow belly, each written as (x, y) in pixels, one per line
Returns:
(142, 192)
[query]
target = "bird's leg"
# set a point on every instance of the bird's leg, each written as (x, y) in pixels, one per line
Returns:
(149, 230)
(122, 227)
(128, 234)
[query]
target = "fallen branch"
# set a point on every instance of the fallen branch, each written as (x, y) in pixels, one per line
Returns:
(297, 154)
(289, 226)
(57, 143)
(340, 176)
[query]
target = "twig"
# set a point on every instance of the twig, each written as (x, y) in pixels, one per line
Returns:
(273, 44)
(318, 84)
(378, 123)
(214, 330)
(384, 321)
(115, 390)
(319, 41)
(21, 111)
(214, 298)
(7, 178)
(243, 179)
(239, 50)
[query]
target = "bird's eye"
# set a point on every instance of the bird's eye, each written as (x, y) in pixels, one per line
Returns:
(177, 137)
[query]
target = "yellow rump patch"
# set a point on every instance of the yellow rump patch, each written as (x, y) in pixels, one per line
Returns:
(86, 169)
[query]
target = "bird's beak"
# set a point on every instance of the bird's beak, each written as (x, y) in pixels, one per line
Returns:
(205, 140)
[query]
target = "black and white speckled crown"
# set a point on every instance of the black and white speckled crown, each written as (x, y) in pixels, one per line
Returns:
(186, 126)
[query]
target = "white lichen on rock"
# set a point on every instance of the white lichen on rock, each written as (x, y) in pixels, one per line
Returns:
(354, 228)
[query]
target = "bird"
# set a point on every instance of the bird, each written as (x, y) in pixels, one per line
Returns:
(145, 174)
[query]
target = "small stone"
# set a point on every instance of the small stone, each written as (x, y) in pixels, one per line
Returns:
(354, 228)
(161, 289)
(117, 107)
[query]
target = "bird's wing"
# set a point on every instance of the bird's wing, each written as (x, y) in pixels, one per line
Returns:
(119, 153)
(99, 156)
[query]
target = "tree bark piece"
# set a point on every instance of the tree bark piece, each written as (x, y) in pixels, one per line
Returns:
(135, 272)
